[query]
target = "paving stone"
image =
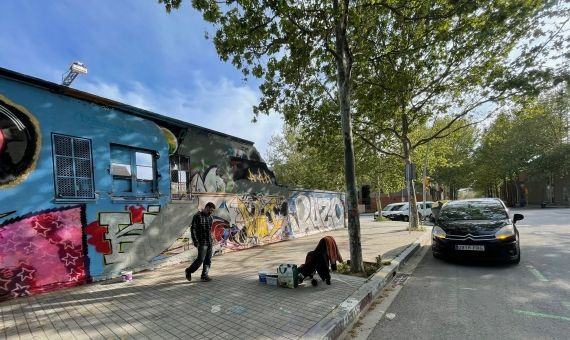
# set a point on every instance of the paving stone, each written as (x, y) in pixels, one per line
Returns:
(162, 304)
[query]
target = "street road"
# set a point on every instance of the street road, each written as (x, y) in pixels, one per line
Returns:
(470, 300)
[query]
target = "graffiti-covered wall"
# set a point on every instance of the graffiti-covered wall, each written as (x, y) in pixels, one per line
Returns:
(246, 220)
(90, 187)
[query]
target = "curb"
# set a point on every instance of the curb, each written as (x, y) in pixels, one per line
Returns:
(336, 322)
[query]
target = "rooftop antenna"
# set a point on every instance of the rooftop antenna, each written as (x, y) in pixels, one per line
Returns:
(74, 69)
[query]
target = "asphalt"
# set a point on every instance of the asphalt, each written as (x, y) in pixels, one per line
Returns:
(162, 304)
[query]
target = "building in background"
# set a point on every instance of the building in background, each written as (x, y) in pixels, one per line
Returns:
(90, 187)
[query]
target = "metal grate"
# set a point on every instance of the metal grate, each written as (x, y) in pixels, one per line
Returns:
(62, 145)
(84, 187)
(65, 187)
(82, 148)
(73, 167)
(83, 168)
(64, 166)
(401, 279)
(180, 177)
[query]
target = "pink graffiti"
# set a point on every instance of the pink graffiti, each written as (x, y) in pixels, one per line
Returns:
(41, 253)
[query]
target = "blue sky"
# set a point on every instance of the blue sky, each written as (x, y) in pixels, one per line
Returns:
(138, 54)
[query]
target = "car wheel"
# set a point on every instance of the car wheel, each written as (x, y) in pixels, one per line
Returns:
(436, 255)
(406, 218)
(517, 260)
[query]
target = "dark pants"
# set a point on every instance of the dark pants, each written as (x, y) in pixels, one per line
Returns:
(205, 257)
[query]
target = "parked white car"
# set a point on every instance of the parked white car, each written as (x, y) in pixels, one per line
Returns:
(390, 209)
(404, 213)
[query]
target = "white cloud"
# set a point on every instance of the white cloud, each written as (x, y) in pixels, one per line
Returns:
(221, 106)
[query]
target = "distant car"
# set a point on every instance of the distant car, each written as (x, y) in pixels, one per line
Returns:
(477, 227)
(390, 209)
(403, 214)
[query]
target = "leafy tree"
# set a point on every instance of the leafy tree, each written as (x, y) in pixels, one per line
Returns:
(300, 49)
(393, 64)
(432, 60)
(449, 160)
(305, 166)
(299, 164)
(531, 138)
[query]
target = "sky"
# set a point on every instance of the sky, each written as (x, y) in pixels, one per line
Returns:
(138, 54)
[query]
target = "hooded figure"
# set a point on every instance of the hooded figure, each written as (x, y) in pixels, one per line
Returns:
(326, 253)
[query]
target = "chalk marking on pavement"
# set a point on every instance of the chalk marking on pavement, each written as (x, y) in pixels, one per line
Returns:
(542, 315)
(537, 274)
(216, 308)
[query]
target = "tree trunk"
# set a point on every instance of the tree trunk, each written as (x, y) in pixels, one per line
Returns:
(517, 193)
(413, 207)
(379, 204)
(344, 66)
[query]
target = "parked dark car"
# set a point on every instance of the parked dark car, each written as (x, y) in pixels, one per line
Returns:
(477, 227)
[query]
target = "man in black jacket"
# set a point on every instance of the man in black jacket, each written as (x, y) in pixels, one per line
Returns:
(202, 239)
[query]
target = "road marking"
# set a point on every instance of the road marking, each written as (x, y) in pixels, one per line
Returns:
(537, 274)
(542, 315)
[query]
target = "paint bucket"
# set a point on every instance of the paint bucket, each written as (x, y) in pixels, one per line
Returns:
(271, 279)
(262, 276)
(127, 276)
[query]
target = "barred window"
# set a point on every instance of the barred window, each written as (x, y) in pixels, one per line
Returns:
(73, 167)
(180, 177)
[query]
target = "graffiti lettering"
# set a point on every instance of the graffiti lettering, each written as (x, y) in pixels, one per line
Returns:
(260, 177)
(115, 232)
(210, 182)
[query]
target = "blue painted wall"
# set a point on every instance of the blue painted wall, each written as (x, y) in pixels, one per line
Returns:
(48, 243)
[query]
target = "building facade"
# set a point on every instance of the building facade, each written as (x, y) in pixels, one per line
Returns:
(90, 187)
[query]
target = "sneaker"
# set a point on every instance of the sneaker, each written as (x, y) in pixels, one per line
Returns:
(206, 278)
(188, 276)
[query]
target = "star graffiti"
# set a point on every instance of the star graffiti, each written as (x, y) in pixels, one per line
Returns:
(31, 248)
(69, 259)
(68, 244)
(40, 229)
(9, 246)
(4, 284)
(45, 254)
(75, 275)
(25, 273)
(20, 290)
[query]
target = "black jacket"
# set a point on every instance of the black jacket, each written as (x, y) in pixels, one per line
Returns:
(201, 229)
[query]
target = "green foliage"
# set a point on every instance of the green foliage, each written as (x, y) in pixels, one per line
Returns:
(305, 166)
(320, 166)
(449, 160)
(532, 138)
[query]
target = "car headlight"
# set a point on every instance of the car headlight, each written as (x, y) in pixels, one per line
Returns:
(438, 232)
(505, 232)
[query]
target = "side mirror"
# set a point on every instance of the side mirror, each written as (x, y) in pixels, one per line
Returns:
(517, 217)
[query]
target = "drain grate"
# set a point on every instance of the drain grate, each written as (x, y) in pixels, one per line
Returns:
(400, 279)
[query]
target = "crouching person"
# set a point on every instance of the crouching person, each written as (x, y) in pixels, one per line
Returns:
(325, 254)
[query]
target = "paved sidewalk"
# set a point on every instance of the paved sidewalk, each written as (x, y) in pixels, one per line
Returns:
(162, 304)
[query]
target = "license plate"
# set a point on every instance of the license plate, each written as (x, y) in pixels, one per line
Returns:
(470, 247)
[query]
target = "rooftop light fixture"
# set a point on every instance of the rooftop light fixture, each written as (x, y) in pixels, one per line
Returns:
(74, 69)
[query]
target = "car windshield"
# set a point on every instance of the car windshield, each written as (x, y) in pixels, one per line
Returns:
(473, 210)
(393, 207)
